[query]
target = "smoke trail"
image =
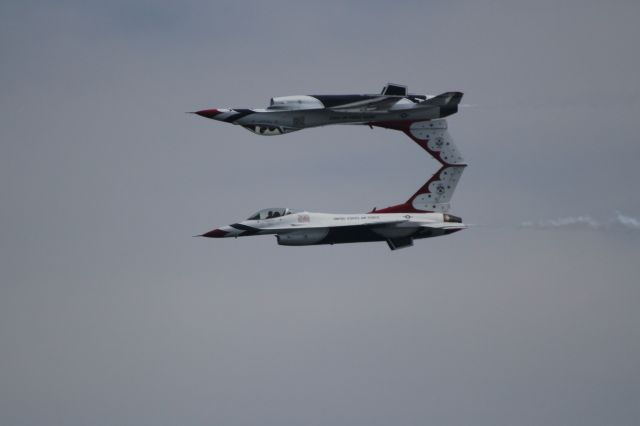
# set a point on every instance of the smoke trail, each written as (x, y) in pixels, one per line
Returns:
(617, 222)
(625, 222)
(564, 222)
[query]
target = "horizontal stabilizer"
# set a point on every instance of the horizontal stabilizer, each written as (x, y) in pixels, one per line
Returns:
(447, 98)
(447, 103)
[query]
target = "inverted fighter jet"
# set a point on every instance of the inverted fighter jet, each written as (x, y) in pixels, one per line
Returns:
(393, 108)
(424, 215)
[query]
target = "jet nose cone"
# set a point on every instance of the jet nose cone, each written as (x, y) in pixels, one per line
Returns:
(208, 113)
(216, 233)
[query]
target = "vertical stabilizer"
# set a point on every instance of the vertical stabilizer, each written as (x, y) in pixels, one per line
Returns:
(436, 194)
(434, 137)
(433, 196)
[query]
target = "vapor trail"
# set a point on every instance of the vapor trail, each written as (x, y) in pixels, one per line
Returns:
(617, 222)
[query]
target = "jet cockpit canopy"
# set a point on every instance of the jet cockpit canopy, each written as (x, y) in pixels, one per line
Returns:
(270, 213)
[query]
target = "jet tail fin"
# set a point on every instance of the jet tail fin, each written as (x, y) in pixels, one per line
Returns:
(436, 194)
(433, 196)
(433, 137)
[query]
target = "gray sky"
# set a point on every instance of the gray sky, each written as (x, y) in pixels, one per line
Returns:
(110, 313)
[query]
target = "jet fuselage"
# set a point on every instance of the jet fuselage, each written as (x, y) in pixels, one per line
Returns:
(420, 117)
(307, 228)
(290, 113)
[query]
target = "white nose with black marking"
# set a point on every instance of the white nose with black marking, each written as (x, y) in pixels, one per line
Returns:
(234, 230)
(222, 114)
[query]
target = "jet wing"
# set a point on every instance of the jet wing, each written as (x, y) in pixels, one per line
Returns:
(380, 224)
(381, 103)
(306, 227)
(340, 224)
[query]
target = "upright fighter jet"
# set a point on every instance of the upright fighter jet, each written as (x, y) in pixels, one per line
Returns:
(393, 107)
(424, 215)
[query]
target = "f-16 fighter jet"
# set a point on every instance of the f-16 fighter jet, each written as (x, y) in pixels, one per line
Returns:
(393, 108)
(424, 215)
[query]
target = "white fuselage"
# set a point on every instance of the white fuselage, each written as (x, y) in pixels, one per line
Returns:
(302, 119)
(307, 228)
(290, 113)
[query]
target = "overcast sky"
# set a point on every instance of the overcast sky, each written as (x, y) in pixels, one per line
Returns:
(112, 314)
